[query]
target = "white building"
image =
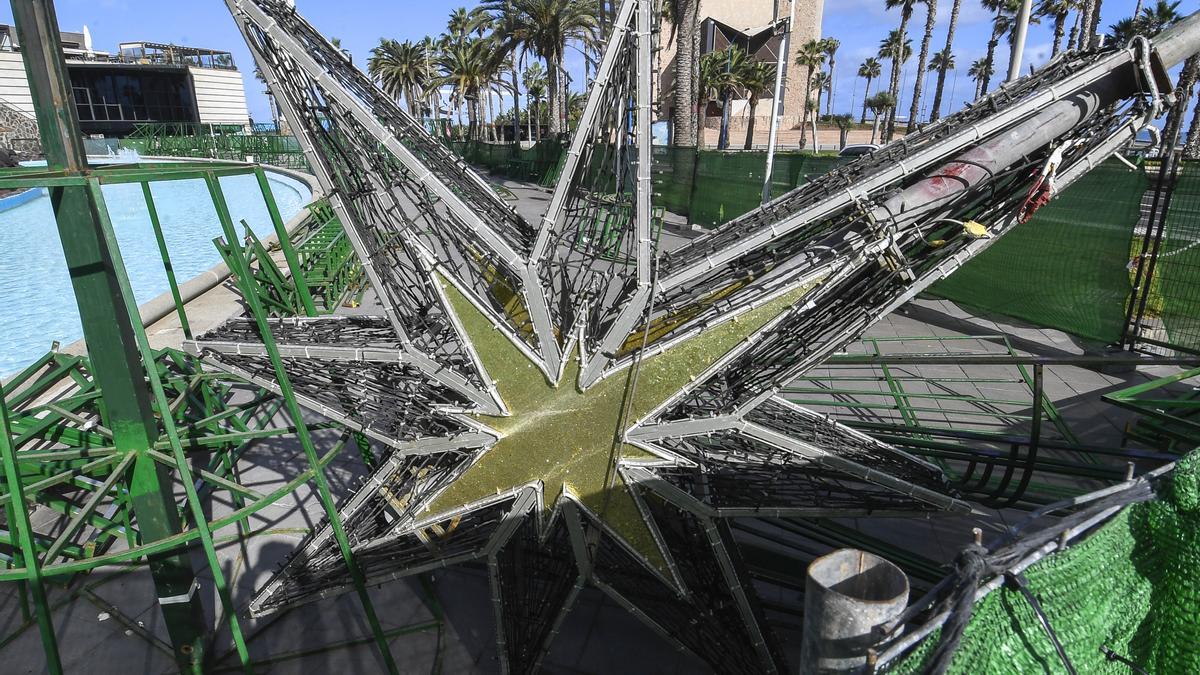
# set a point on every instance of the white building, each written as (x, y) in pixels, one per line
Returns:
(145, 82)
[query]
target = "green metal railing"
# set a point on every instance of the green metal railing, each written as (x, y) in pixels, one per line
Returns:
(216, 142)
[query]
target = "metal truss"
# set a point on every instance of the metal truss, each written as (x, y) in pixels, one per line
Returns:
(667, 366)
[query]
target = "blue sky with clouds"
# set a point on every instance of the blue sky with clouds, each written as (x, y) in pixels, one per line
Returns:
(859, 24)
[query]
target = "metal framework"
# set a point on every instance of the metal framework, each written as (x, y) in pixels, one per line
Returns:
(572, 406)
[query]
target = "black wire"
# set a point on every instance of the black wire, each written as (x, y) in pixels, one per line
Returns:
(1020, 583)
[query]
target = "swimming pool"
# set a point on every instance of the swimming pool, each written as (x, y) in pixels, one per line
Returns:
(37, 305)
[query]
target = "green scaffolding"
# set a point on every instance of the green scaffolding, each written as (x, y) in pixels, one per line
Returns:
(63, 456)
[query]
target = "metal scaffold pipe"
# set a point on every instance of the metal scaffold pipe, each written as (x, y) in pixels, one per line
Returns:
(1019, 35)
(848, 596)
(989, 158)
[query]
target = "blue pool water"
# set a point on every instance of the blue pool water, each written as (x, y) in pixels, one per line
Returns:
(37, 305)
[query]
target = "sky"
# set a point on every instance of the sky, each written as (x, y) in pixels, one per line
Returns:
(858, 24)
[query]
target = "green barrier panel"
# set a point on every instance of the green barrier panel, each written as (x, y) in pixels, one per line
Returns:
(1177, 274)
(1133, 587)
(711, 187)
(1066, 268)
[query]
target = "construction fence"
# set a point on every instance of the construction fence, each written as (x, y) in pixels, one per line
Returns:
(1170, 311)
(1067, 269)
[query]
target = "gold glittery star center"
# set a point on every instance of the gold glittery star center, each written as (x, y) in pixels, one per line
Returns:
(573, 441)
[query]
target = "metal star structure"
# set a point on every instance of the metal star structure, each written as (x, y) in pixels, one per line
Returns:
(569, 403)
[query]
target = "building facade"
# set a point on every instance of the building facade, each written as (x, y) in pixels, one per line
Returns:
(144, 82)
(757, 26)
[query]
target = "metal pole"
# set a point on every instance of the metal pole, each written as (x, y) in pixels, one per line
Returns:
(241, 272)
(849, 596)
(777, 104)
(285, 244)
(19, 519)
(115, 358)
(1018, 45)
(166, 258)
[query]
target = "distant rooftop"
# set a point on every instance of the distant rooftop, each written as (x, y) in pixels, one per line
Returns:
(76, 47)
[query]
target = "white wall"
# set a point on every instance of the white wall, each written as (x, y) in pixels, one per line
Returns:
(220, 96)
(14, 87)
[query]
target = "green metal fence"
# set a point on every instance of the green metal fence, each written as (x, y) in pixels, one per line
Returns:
(212, 142)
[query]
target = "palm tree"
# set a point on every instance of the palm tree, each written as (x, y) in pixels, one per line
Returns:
(941, 79)
(684, 19)
(402, 71)
(545, 27)
(756, 78)
(1124, 30)
(720, 74)
(1191, 148)
(811, 56)
(939, 62)
(880, 104)
(869, 69)
(930, 21)
(534, 79)
(901, 37)
(458, 26)
(464, 67)
(503, 20)
(980, 70)
(898, 48)
(820, 82)
(1058, 10)
(1002, 24)
(1156, 18)
(831, 46)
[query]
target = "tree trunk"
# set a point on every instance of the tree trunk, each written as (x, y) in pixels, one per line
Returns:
(750, 123)
(1085, 23)
(874, 127)
(930, 19)
(866, 95)
(807, 104)
(553, 84)
(1137, 11)
(941, 80)
(832, 84)
(1191, 148)
(516, 89)
(491, 117)
(1060, 27)
(1183, 95)
(986, 78)
(816, 114)
(1095, 26)
(687, 39)
(894, 80)
(701, 114)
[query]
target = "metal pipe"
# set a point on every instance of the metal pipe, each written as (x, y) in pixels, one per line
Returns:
(1019, 35)
(777, 105)
(848, 596)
